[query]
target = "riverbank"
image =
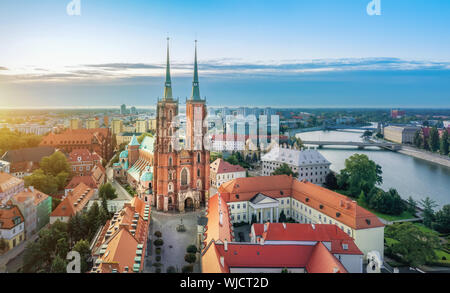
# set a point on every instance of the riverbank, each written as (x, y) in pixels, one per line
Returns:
(425, 155)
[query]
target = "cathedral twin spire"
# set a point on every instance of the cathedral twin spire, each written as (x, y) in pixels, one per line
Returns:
(195, 84)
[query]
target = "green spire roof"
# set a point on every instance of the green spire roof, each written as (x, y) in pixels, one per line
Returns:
(134, 141)
(168, 84)
(195, 88)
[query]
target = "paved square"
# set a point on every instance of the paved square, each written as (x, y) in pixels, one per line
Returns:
(175, 243)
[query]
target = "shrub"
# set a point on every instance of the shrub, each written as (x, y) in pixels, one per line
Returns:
(158, 234)
(187, 269)
(158, 250)
(157, 264)
(171, 270)
(191, 249)
(158, 258)
(190, 257)
(158, 270)
(158, 242)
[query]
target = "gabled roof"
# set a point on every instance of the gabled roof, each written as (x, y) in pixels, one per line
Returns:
(219, 166)
(262, 198)
(10, 216)
(74, 202)
(84, 155)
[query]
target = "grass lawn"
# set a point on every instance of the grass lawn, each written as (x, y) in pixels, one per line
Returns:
(440, 254)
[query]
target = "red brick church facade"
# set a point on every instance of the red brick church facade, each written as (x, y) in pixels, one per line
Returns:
(181, 173)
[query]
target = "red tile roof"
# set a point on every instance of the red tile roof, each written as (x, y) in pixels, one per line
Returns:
(37, 196)
(314, 258)
(330, 203)
(74, 202)
(8, 181)
(84, 154)
(7, 216)
(308, 232)
(220, 166)
(76, 180)
(218, 231)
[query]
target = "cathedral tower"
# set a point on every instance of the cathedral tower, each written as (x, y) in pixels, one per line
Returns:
(181, 177)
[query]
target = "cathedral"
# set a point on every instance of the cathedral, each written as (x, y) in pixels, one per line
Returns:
(181, 175)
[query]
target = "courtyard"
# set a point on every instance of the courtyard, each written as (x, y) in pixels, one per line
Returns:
(175, 243)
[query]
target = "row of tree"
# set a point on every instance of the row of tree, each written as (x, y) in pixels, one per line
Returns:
(13, 140)
(433, 143)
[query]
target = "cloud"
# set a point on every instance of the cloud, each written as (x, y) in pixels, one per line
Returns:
(124, 66)
(225, 68)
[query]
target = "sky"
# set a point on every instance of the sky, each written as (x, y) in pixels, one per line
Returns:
(315, 53)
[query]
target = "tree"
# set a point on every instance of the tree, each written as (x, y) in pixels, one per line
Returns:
(331, 181)
(428, 206)
(284, 169)
(55, 164)
(359, 173)
(418, 141)
(282, 218)
(214, 156)
(82, 246)
(416, 247)
(42, 182)
(387, 202)
(442, 220)
(191, 249)
(142, 136)
(107, 191)
(412, 205)
(362, 199)
(434, 139)
(444, 146)
(58, 265)
(187, 269)
(190, 258)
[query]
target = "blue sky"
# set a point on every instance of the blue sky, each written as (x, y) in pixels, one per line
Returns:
(284, 53)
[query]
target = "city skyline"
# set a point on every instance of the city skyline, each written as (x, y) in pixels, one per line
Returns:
(320, 54)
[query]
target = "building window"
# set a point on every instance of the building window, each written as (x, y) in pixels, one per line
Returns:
(184, 177)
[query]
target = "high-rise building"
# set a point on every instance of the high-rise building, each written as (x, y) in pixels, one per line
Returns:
(123, 109)
(133, 110)
(152, 124)
(92, 123)
(75, 123)
(117, 126)
(141, 126)
(181, 178)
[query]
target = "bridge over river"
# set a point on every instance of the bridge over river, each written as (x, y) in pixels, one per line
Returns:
(360, 145)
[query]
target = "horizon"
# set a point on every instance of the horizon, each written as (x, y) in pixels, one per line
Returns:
(318, 54)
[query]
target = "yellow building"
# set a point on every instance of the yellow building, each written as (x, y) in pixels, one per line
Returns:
(12, 226)
(117, 126)
(92, 123)
(75, 123)
(152, 124)
(141, 126)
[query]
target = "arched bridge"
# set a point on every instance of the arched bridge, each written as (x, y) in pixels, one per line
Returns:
(359, 144)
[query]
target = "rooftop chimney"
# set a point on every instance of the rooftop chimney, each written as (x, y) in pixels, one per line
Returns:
(225, 245)
(284, 226)
(266, 226)
(220, 218)
(261, 241)
(313, 226)
(222, 261)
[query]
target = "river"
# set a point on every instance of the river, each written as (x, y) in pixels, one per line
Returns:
(410, 176)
